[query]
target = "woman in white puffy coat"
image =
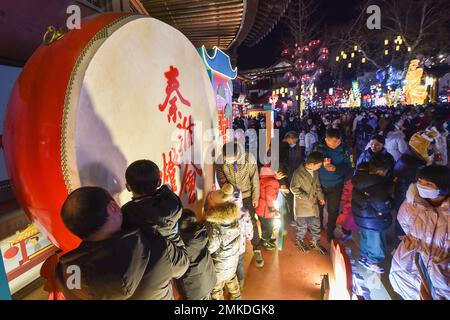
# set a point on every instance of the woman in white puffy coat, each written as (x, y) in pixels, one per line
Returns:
(424, 216)
(395, 141)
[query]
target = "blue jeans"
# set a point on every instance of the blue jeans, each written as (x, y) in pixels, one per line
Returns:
(240, 268)
(373, 245)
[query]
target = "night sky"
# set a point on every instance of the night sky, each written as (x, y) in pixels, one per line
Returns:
(267, 52)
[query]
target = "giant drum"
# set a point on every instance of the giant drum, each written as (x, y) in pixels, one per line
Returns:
(121, 88)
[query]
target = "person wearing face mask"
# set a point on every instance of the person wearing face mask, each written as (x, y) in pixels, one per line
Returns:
(240, 169)
(115, 263)
(420, 266)
(406, 169)
(291, 157)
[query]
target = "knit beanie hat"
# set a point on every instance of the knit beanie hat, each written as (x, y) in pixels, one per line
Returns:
(222, 196)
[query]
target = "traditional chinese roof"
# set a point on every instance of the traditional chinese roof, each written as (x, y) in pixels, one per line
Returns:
(219, 62)
(209, 23)
(219, 23)
(280, 67)
(268, 14)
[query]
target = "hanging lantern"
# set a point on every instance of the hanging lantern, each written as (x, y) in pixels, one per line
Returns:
(363, 60)
(355, 48)
(397, 48)
(337, 58)
(386, 42)
(386, 52)
(353, 55)
(349, 65)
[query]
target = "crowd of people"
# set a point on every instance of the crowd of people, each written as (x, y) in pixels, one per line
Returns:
(384, 165)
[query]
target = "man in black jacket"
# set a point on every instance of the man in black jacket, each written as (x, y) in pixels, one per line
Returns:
(112, 263)
(371, 207)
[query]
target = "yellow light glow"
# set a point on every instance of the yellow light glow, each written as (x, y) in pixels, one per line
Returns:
(355, 48)
(409, 49)
(363, 60)
(397, 48)
(273, 93)
(400, 41)
(349, 65)
(344, 56)
(342, 53)
(337, 58)
(277, 91)
(386, 42)
(353, 55)
(386, 52)
(291, 93)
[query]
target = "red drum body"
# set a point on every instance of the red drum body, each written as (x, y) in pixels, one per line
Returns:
(121, 88)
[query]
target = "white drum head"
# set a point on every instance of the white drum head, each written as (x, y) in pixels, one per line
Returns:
(133, 96)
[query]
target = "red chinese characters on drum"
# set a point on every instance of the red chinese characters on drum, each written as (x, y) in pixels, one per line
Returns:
(173, 86)
(224, 125)
(171, 163)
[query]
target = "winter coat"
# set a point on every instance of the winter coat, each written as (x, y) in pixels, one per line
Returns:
(345, 218)
(224, 235)
(290, 158)
(339, 158)
(395, 144)
(441, 148)
(405, 173)
(301, 139)
(311, 139)
(243, 174)
(132, 264)
(246, 226)
(384, 156)
(430, 225)
(245, 221)
(160, 212)
(371, 201)
(307, 192)
(269, 187)
(363, 134)
(200, 279)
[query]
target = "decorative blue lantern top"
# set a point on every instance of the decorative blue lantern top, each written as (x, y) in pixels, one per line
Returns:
(218, 62)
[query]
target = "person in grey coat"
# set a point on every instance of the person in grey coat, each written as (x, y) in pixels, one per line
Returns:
(239, 168)
(305, 186)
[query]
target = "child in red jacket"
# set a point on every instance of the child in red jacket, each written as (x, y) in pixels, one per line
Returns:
(266, 211)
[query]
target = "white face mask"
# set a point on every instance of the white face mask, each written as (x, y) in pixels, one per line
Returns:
(427, 193)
